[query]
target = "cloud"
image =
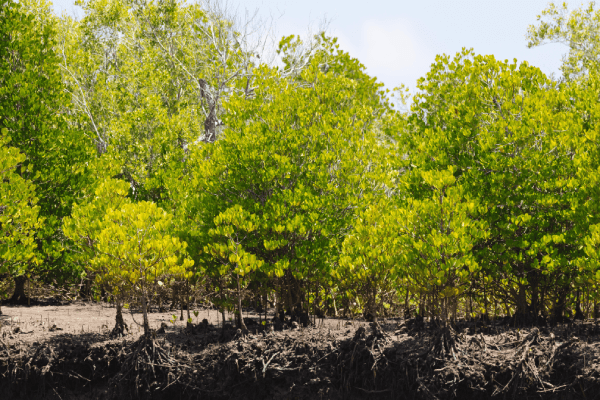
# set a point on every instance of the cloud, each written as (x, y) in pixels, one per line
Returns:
(392, 50)
(389, 47)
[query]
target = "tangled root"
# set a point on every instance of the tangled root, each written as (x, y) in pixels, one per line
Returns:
(147, 366)
(528, 367)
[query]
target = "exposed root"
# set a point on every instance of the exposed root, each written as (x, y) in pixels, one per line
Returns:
(369, 362)
(142, 371)
(444, 343)
(119, 330)
(530, 367)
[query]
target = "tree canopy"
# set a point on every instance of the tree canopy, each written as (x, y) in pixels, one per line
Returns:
(146, 135)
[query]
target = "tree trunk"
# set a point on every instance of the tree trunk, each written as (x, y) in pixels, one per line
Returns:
(181, 307)
(85, 289)
(187, 299)
(222, 305)
(120, 325)
(19, 296)
(542, 305)
(175, 295)
(521, 313)
(407, 305)
(288, 297)
(240, 318)
(335, 310)
(145, 312)
(578, 312)
(371, 307)
(559, 306)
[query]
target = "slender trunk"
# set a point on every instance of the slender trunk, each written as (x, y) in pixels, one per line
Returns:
(445, 311)
(454, 309)
(278, 300)
(470, 307)
(560, 305)
(145, 312)
(221, 308)
(371, 303)
(240, 318)
(181, 307)
(120, 325)
(266, 306)
(521, 301)
(85, 289)
(175, 296)
(265, 303)
(534, 299)
(335, 310)
(288, 297)
(542, 305)
(578, 311)
(187, 301)
(485, 303)
(407, 305)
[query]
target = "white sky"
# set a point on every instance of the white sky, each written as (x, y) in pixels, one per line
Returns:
(397, 40)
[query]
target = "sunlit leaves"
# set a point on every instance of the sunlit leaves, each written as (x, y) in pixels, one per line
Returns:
(296, 161)
(19, 211)
(438, 235)
(32, 100)
(577, 29)
(135, 250)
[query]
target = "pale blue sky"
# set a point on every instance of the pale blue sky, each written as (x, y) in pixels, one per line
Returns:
(397, 40)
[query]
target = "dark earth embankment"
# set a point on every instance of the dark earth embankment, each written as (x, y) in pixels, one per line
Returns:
(340, 360)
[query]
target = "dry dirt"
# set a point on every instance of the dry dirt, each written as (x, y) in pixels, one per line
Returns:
(65, 352)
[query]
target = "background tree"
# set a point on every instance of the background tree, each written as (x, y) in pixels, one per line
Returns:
(149, 78)
(85, 224)
(438, 235)
(369, 262)
(508, 132)
(135, 252)
(303, 157)
(19, 220)
(230, 234)
(578, 29)
(31, 100)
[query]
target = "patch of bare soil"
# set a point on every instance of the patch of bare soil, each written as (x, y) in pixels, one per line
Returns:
(334, 360)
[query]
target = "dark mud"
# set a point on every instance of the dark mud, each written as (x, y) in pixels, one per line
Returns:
(392, 360)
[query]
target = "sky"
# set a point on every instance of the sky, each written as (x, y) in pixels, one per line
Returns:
(397, 40)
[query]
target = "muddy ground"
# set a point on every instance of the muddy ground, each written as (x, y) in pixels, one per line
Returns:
(66, 352)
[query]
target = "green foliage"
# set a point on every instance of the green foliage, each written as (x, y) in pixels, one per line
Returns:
(231, 228)
(134, 251)
(295, 163)
(86, 222)
(439, 234)
(370, 260)
(301, 179)
(136, 248)
(508, 134)
(19, 220)
(577, 29)
(148, 79)
(31, 101)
